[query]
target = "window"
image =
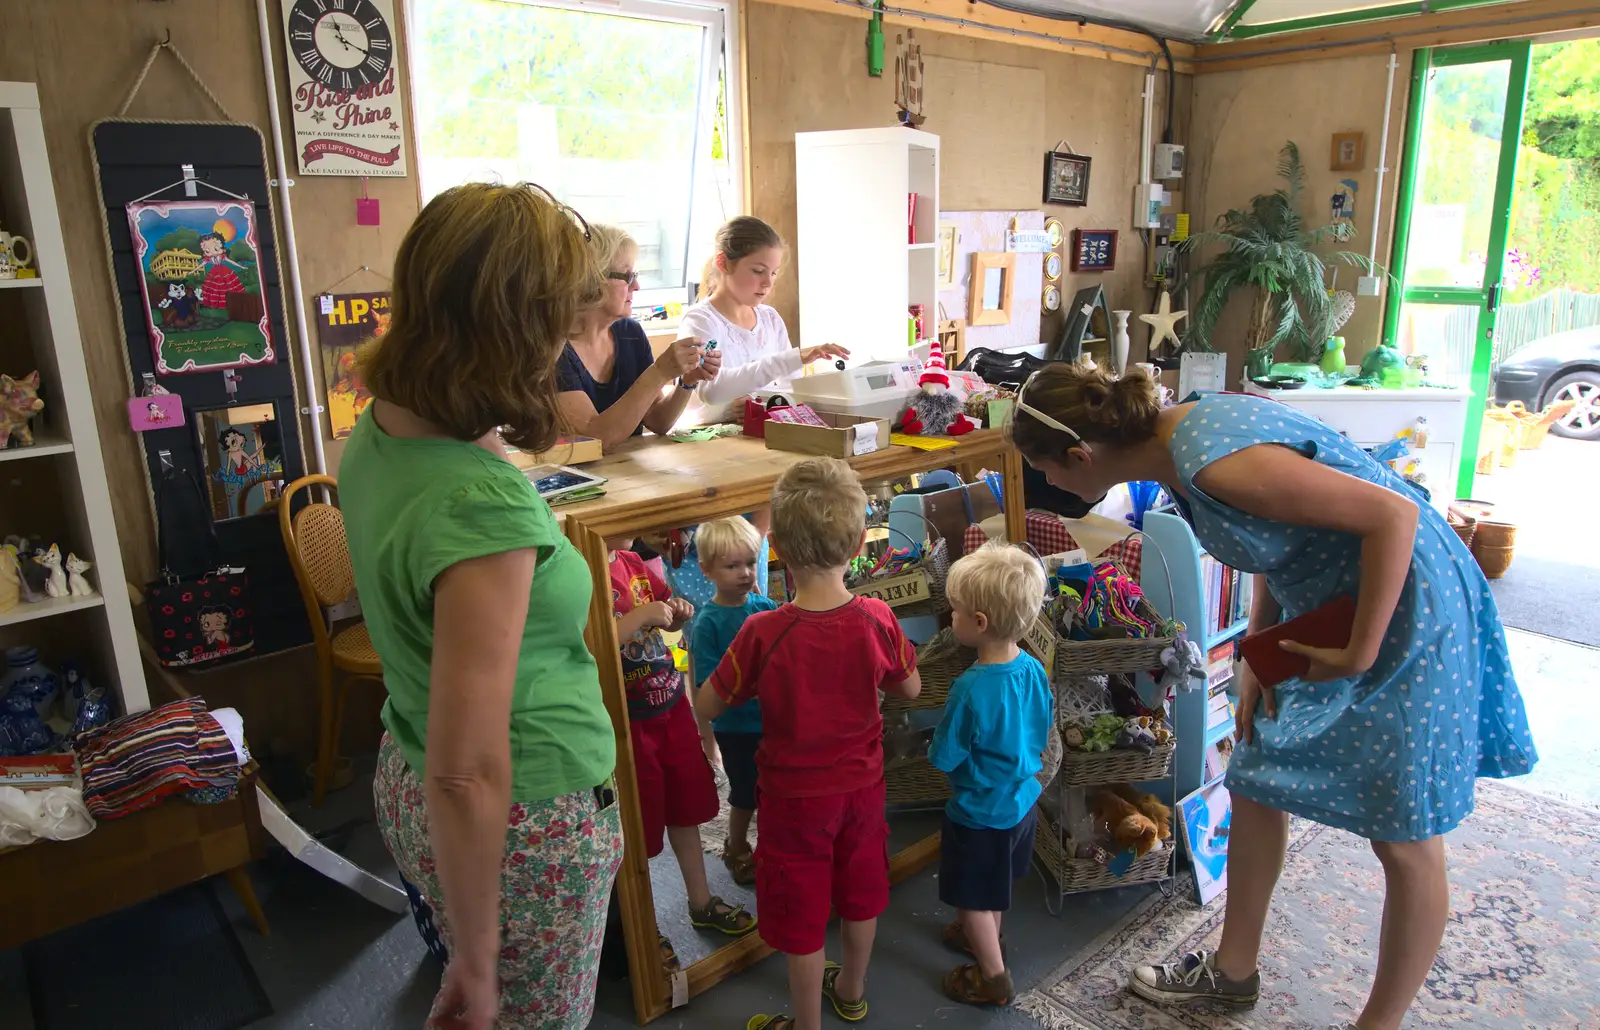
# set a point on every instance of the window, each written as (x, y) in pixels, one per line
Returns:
(619, 108)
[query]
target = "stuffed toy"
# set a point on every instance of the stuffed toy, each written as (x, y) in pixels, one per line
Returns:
(1101, 736)
(936, 411)
(1124, 825)
(1149, 806)
(1183, 665)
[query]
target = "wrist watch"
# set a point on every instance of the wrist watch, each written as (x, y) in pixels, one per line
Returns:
(683, 385)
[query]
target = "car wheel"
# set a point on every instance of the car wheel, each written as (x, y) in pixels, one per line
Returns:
(1583, 421)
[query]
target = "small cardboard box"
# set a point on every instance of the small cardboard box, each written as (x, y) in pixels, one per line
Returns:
(895, 591)
(844, 437)
(568, 450)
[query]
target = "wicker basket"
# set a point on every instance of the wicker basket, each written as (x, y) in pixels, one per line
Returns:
(1088, 657)
(1495, 534)
(1463, 526)
(1494, 561)
(912, 781)
(940, 661)
(1119, 765)
(1085, 874)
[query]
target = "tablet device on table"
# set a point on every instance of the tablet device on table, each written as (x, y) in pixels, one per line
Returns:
(552, 481)
(1327, 626)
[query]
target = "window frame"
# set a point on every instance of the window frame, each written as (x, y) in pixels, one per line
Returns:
(720, 59)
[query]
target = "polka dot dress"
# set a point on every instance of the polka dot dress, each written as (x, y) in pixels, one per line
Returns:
(1393, 754)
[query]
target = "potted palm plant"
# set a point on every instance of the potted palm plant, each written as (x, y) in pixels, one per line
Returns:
(1268, 248)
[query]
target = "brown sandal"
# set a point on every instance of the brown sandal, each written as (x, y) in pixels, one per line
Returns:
(968, 985)
(954, 937)
(741, 866)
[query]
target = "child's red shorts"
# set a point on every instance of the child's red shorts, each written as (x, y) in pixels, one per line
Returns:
(676, 785)
(817, 853)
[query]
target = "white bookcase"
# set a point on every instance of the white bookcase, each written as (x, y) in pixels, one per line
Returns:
(65, 433)
(860, 268)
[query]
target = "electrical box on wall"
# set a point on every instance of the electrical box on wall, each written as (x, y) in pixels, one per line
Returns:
(1147, 201)
(1168, 162)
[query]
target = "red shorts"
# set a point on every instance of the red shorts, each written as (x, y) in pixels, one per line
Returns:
(676, 785)
(817, 853)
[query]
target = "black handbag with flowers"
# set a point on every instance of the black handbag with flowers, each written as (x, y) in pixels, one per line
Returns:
(199, 608)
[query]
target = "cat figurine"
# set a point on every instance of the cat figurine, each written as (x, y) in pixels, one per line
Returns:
(77, 585)
(56, 584)
(19, 402)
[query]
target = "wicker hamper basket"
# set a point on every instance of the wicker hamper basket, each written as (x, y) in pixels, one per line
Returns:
(914, 781)
(1097, 657)
(1085, 874)
(1119, 765)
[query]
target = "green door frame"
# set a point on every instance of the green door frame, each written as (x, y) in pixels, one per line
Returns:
(1486, 298)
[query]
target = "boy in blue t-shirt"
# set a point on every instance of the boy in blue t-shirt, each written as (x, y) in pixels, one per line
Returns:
(729, 556)
(995, 726)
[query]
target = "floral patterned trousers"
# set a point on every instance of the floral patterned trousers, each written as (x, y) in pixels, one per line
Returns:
(560, 860)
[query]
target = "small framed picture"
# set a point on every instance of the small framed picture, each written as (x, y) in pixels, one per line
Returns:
(1066, 179)
(1094, 250)
(1349, 151)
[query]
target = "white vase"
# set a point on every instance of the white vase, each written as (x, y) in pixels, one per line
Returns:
(1119, 342)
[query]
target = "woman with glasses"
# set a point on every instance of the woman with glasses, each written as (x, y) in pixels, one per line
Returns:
(492, 773)
(1383, 737)
(611, 386)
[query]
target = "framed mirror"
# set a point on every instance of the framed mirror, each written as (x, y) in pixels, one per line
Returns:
(241, 452)
(989, 292)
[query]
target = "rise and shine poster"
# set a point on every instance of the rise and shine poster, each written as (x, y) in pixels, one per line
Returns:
(344, 322)
(200, 279)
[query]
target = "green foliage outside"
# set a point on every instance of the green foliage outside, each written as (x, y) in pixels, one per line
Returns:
(621, 87)
(1555, 208)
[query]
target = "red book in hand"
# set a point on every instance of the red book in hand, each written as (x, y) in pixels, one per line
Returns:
(1328, 626)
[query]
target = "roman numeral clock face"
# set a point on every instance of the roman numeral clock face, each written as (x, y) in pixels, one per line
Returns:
(343, 44)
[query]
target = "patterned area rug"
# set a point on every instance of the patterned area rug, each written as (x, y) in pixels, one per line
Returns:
(1525, 896)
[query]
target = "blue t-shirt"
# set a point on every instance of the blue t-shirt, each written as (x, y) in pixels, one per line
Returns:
(996, 722)
(715, 626)
(633, 360)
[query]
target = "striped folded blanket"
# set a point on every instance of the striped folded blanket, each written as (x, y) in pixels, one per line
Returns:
(139, 760)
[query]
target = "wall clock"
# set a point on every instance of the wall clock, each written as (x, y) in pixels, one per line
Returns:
(1052, 266)
(343, 44)
(1052, 226)
(1052, 298)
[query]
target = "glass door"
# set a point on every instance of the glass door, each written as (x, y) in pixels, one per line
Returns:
(1455, 205)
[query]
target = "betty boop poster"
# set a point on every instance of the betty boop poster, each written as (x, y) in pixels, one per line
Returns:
(201, 281)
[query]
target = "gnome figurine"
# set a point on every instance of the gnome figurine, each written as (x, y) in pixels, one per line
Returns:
(936, 411)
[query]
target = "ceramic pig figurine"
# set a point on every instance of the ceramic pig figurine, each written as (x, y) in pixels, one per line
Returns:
(19, 402)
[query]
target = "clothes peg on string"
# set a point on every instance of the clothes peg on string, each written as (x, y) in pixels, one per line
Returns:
(230, 383)
(366, 207)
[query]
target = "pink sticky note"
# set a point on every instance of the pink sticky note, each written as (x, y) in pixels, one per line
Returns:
(366, 210)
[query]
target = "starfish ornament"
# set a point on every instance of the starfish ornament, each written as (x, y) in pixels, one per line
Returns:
(1163, 323)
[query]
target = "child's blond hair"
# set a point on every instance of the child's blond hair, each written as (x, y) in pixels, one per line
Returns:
(720, 538)
(819, 512)
(1001, 581)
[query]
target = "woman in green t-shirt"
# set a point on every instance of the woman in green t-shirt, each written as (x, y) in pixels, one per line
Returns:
(489, 778)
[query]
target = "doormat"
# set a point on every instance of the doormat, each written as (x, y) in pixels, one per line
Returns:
(170, 963)
(1518, 951)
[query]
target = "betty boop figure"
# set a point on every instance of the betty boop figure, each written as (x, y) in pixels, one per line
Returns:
(220, 279)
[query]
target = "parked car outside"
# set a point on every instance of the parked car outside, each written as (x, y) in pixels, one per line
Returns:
(1561, 367)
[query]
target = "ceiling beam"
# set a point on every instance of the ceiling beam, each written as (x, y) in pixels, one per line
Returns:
(976, 20)
(1229, 20)
(1364, 14)
(1523, 19)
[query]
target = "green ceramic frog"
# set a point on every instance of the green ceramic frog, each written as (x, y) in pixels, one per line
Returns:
(1379, 358)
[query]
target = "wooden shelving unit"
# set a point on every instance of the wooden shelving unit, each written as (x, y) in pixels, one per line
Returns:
(62, 477)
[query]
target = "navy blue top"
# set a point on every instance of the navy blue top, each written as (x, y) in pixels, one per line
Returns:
(991, 742)
(715, 626)
(633, 359)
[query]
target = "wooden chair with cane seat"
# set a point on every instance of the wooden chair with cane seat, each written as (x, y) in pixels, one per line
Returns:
(315, 541)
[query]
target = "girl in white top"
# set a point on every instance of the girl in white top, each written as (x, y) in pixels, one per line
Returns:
(752, 341)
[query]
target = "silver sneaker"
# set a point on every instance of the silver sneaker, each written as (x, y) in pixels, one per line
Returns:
(1194, 977)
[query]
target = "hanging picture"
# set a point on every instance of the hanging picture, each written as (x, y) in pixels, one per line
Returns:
(344, 322)
(1066, 179)
(201, 283)
(1094, 250)
(344, 81)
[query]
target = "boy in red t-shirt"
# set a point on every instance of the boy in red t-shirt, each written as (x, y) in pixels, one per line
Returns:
(817, 665)
(677, 791)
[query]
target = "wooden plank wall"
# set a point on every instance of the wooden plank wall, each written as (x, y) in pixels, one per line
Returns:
(806, 73)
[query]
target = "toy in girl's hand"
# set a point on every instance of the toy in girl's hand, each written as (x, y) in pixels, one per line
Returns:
(19, 402)
(936, 411)
(56, 584)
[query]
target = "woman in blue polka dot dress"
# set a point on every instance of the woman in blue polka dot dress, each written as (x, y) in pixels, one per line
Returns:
(1385, 737)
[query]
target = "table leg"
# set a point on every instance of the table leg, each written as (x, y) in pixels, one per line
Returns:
(1016, 504)
(239, 880)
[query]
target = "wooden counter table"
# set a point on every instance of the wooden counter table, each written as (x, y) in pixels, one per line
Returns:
(653, 484)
